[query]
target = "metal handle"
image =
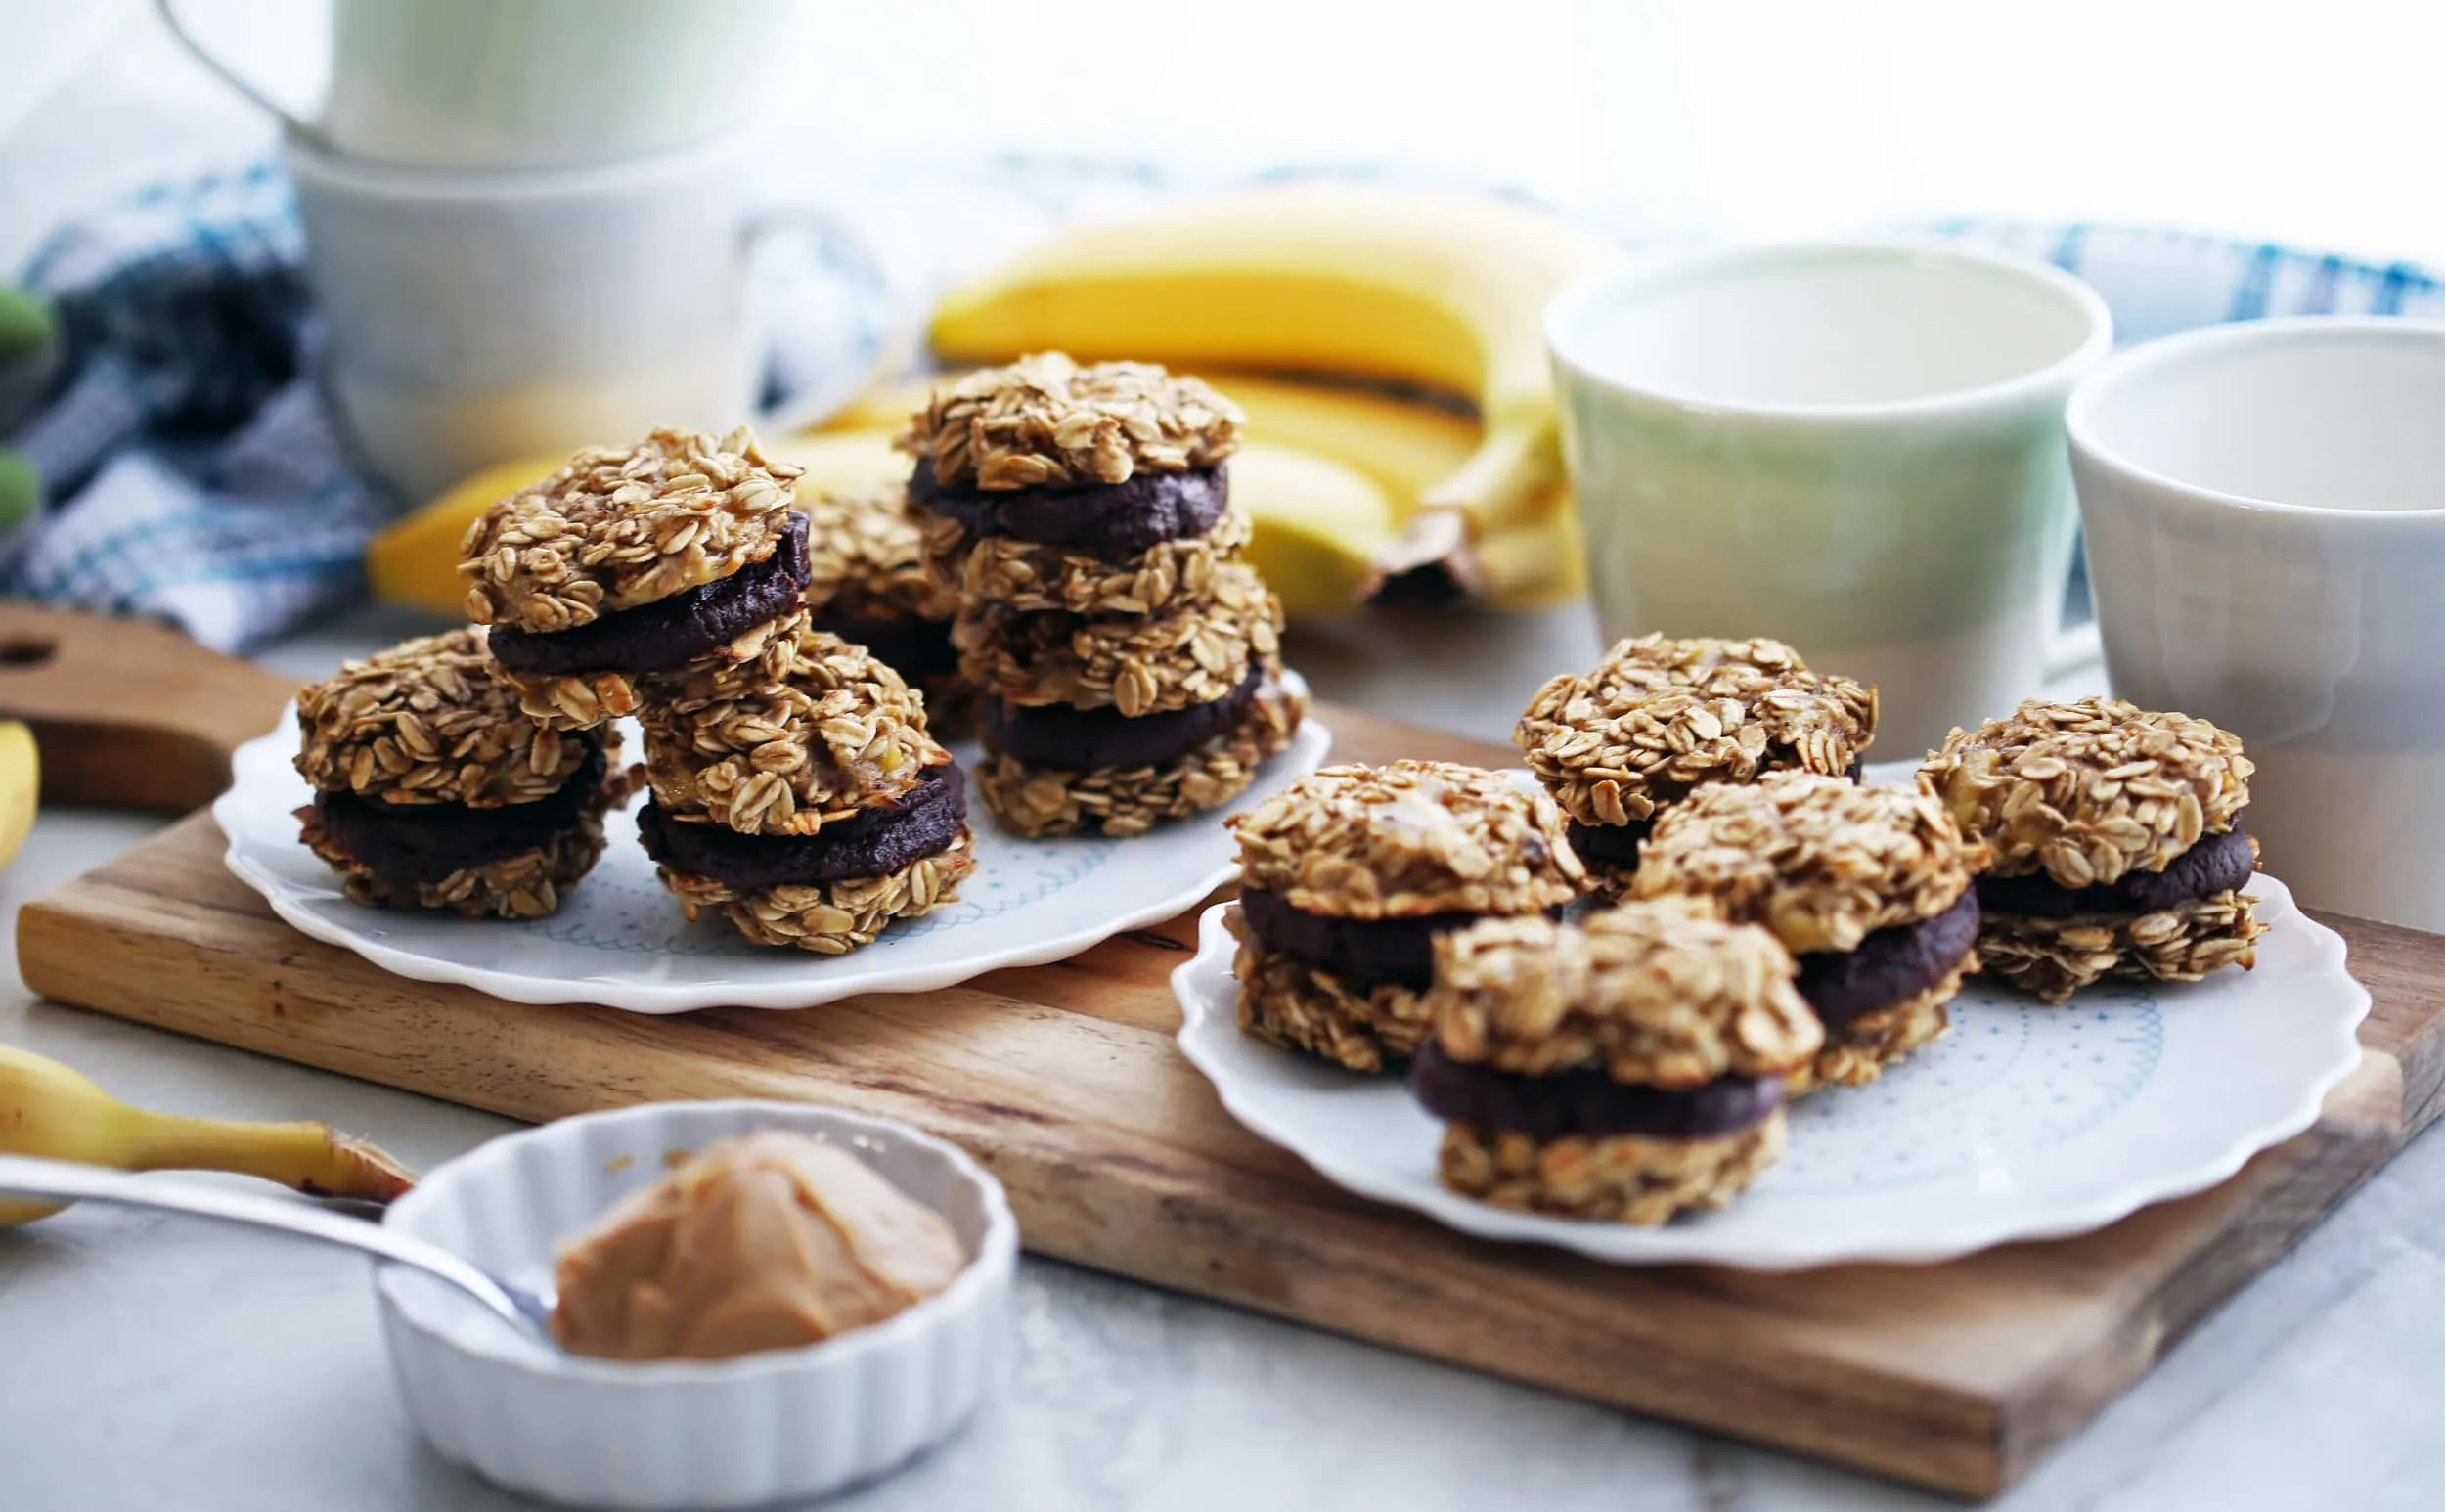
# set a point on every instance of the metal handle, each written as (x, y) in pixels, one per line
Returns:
(24, 1175)
(312, 134)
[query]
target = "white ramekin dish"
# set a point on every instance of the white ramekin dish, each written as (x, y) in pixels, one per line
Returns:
(771, 1427)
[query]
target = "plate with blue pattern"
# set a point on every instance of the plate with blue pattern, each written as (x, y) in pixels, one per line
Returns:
(2023, 1122)
(620, 939)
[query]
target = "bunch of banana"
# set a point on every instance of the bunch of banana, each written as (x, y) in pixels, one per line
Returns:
(47, 1109)
(1441, 291)
(20, 785)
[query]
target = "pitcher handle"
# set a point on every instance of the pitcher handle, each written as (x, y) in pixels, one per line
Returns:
(901, 330)
(312, 134)
(2074, 650)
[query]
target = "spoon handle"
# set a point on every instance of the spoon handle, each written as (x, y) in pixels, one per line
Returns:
(24, 1175)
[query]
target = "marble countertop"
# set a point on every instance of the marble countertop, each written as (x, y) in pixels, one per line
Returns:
(156, 1364)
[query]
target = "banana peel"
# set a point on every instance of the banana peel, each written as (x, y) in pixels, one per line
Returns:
(50, 1110)
(1317, 525)
(1383, 283)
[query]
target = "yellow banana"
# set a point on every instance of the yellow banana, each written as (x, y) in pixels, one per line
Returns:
(20, 785)
(1318, 527)
(416, 561)
(1442, 290)
(47, 1109)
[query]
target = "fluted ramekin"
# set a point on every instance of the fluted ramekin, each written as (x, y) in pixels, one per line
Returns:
(763, 1428)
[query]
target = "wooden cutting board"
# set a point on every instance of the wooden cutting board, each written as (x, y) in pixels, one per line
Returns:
(1065, 1081)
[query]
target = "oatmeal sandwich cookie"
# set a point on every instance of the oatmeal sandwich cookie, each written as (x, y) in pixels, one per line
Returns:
(2115, 843)
(1126, 661)
(1869, 888)
(1627, 1068)
(1105, 464)
(868, 584)
(680, 549)
(1348, 876)
(812, 808)
(432, 791)
(1660, 717)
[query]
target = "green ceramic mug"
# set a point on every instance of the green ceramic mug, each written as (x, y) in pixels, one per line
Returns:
(1855, 448)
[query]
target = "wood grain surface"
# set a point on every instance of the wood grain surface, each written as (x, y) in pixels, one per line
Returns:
(1064, 1079)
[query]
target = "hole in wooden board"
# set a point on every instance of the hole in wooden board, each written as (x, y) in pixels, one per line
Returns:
(26, 651)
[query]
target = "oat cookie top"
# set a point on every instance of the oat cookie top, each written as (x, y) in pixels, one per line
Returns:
(870, 557)
(1659, 717)
(1137, 664)
(839, 733)
(617, 528)
(426, 722)
(1412, 838)
(1044, 420)
(2087, 791)
(1820, 861)
(1661, 992)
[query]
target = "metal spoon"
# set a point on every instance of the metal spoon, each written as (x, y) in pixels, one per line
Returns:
(22, 1175)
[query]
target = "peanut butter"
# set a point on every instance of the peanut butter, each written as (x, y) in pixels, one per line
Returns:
(763, 1242)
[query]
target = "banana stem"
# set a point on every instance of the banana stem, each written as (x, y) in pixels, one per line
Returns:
(1512, 476)
(309, 1157)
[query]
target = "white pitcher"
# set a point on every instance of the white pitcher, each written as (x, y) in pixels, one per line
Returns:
(524, 84)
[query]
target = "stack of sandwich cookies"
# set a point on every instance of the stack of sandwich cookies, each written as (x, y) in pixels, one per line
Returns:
(1869, 888)
(625, 564)
(1127, 660)
(1349, 876)
(1629, 1068)
(2115, 841)
(1660, 717)
(810, 810)
(432, 791)
(868, 583)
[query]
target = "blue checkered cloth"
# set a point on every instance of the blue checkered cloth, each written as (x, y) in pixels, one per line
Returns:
(192, 474)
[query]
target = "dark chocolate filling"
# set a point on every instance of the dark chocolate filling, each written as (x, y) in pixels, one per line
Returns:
(1111, 521)
(1615, 847)
(2217, 863)
(920, 823)
(672, 632)
(1890, 964)
(1362, 951)
(919, 649)
(426, 842)
(1612, 846)
(1587, 1103)
(1061, 738)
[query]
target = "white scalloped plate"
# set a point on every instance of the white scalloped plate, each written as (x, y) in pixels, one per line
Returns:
(619, 939)
(2025, 1122)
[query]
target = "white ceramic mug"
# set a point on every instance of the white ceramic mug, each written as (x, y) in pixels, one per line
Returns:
(475, 318)
(517, 84)
(2265, 512)
(1855, 448)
